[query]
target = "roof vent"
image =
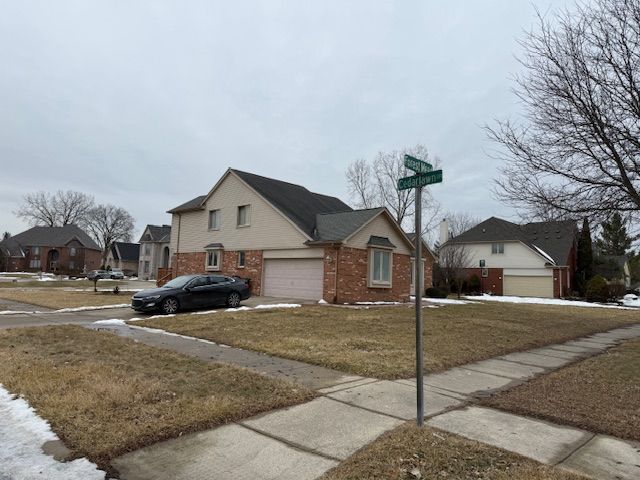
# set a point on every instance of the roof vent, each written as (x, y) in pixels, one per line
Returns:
(484, 230)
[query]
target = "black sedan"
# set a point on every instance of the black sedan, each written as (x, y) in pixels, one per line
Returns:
(192, 291)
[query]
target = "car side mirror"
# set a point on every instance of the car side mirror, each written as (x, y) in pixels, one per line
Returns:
(187, 289)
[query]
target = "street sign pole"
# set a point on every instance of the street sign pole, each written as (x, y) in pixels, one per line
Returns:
(418, 295)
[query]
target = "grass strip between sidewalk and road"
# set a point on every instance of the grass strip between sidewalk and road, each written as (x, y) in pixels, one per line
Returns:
(407, 450)
(84, 284)
(57, 299)
(380, 342)
(104, 395)
(600, 394)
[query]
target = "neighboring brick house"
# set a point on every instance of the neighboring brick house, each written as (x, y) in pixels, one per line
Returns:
(155, 251)
(292, 242)
(125, 256)
(62, 250)
(532, 260)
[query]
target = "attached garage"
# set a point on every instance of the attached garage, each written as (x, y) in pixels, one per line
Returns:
(293, 277)
(528, 286)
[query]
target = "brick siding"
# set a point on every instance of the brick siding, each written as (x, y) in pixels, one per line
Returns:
(491, 284)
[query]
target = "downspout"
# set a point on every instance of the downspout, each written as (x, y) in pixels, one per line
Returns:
(178, 242)
(335, 279)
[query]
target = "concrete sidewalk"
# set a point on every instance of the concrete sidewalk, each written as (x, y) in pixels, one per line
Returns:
(303, 441)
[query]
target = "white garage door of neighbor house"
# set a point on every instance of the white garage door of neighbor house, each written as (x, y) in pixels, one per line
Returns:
(528, 286)
(294, 278)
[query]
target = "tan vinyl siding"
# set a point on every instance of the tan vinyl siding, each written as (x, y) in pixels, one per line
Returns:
(516, 255)
(268, 229)
(381, 227)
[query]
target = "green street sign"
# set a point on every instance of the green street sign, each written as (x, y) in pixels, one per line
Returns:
(417, 165)
(420, 180)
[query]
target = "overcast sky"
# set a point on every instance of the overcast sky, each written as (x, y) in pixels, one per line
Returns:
(144, 104)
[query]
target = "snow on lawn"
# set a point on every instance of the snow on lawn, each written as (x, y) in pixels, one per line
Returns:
(111, 321)
(67, 310)
(444, 301)
(377, 303)
(279, 305)
(547, 301)
(22, 434)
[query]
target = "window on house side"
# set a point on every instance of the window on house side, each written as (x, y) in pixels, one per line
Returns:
(214, 219)
(146, 266)
(497, 248)
(381, 267)
(72, 252)
(213, 260)
(72, 265)
(241, 259)
(243, 215)
(35, 251)
(147, 249)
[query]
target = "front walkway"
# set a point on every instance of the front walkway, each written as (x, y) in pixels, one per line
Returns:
(304, 441)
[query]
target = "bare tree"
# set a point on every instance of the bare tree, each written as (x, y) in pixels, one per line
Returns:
(460, 222)
(375, 184)
(108, 224)
(55, 209)
(454, 258)
(578, 153)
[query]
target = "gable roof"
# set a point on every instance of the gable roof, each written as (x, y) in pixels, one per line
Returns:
(10, 248)
(294, 201)
(54, 237)
(156, 233)
(548, 239)
(338, 226)
(126, 251)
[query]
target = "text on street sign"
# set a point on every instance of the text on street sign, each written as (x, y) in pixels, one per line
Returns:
(417, 165)
(420, 180)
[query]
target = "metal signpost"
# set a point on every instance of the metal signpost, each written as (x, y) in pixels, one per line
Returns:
(425, 175)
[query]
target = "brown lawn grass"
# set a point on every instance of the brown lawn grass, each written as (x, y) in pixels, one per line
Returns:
(56, 298)
(62, 284)
(380, 342)
(104, 395)
(600, 394)
(437, 454)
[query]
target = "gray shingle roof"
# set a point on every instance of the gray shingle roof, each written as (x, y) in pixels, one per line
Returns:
(339, 226)
(126, 251)
(295, 201)
(54, 237)
(554, 238)
(156, 233)
(193, 204)
(10, 248)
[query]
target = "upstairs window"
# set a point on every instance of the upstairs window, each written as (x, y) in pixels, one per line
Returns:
(214, 219)
(243, 216)
(35, 251)
(72, 252)
(497, 248)
(147, 249)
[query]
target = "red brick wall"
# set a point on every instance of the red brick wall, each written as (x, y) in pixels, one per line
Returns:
(252, 267)
(493, 283)
(561, 277)
(188, 263)
(352, 266)
(84, 258)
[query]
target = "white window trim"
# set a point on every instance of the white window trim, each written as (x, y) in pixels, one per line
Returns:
(378, 283)
(248, 218)
(213, 268)
(238, 259)
(219, 215)
(497, 252)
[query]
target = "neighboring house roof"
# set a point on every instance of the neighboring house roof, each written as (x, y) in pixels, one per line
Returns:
(53, 237)
(156, 233)
(551, 240)
(10, 248)
(193, 204)
(127, 252)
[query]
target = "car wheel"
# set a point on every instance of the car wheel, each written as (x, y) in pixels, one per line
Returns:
(169, 306)
(113, 277)
(233, 300)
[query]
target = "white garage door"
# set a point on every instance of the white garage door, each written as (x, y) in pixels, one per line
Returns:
(527, 286)
(294, 278)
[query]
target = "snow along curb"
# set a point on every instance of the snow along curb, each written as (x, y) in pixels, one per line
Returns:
(67, 310)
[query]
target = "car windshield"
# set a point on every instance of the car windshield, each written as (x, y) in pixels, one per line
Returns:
(179, 282)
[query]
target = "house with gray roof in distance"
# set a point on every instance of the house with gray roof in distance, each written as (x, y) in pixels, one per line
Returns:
(532, 260)
(125, 256)
(291, 242)
(65, 250)
(155, 251)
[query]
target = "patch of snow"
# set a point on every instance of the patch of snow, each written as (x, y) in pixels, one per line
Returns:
(631, 303)
(47, 279)
(206, 312)
(322, 301)
(630, 296)
(160, 316)
(239, 309)
(112, 321)
(14, 312)
(545, 255)
(278, 305)
(22, 433)
(546, 301)
(378, 303)
(444, 301)
(84, 309)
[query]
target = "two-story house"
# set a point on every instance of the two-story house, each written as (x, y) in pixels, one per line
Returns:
(291, 242)
(61, 250)
(155, 251)
(532, 260)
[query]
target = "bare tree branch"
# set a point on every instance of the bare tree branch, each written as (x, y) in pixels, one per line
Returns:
(578, 154)
(108, 224)
(55, 210)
